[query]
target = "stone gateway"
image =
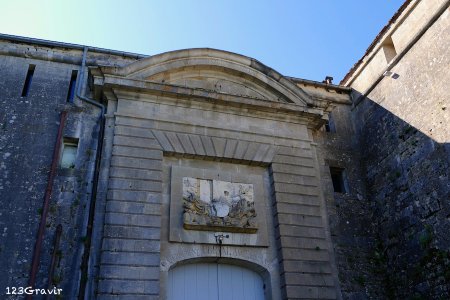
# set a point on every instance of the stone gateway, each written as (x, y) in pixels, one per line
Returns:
(205, 174)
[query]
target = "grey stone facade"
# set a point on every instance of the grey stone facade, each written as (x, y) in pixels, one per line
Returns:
(215, 115)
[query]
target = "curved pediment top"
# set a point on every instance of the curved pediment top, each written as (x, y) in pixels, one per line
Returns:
(202, 64)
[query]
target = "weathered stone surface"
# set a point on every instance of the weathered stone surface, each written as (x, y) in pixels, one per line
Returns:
(134, 196)
(286, 198)
(146, 143)
(307, 266)
(118, 231)
(294, 217)
(321, 280)
(131, 173)
(286, 208)
(132, 219)
(136, 152)
(305, 254)
(28, 131)
(133, 207)
(137, 163)
(133, 131)
(292, 169)
(393, 214)
(129, 272)
(305, 292)
(295, 179)
(130, 245)
(134, 185)
(132, 259)
(119, 287)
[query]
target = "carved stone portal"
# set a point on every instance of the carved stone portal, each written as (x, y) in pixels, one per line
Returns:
(215, 205)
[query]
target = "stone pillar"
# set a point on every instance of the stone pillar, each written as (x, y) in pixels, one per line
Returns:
(131, 239)
(306, 270)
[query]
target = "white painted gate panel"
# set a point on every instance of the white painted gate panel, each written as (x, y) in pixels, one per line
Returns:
(214, 282)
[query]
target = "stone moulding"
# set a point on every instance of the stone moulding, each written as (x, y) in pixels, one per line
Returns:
(214, 205)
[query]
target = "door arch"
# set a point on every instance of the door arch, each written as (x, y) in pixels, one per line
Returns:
(214, 281)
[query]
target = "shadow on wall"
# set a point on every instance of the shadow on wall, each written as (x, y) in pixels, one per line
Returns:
(407, 177)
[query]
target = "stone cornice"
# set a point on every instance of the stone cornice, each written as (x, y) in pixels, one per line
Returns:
(130, 89)
(146, 76)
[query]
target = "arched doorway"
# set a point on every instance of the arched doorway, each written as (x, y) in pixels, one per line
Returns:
(213, 281)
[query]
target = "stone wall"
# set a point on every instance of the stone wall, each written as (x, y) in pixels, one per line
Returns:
(403, 128)
(28, 131)
(352, 230)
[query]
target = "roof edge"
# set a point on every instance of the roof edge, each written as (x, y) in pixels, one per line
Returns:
(49, 43)
(378, 38)
(335, 87)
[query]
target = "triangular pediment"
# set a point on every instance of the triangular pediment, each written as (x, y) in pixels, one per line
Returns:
(214, 70)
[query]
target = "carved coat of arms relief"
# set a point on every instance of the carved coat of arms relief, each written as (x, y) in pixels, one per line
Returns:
(215, 205)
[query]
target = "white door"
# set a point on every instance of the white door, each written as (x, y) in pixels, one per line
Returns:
(207, 281)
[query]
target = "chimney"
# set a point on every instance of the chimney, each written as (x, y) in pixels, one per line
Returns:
(328, 80)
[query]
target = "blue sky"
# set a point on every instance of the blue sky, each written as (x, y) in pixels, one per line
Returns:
(299, 38)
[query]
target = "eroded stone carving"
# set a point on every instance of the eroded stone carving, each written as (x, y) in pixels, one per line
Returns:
(216, 205)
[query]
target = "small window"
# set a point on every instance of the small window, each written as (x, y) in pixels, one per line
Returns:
(28, 79)
(338, 178)
(329, 125)
(69, 153)
(72, 85)
(389, 49)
